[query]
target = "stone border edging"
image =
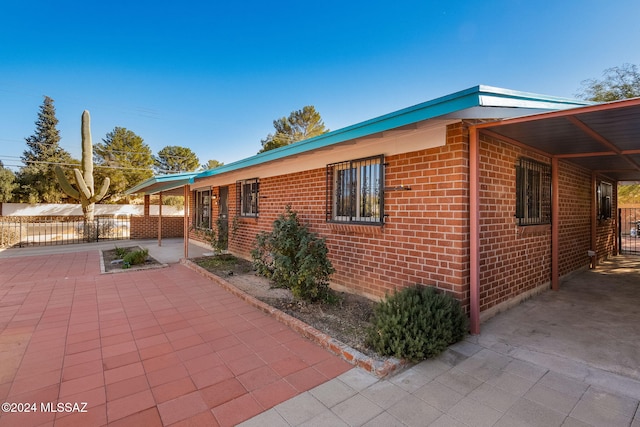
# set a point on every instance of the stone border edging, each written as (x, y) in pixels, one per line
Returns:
(377, 367)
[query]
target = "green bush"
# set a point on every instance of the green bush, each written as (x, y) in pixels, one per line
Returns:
(135, 258)
(293, 257)
(416, 323)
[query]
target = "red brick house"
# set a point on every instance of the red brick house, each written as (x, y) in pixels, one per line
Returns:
(489, 194)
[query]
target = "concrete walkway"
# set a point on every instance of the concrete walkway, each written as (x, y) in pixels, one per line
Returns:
(165, 347)
(567, 358)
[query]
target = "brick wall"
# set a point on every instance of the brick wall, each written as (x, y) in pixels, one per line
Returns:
(146, 227)
(425, 238)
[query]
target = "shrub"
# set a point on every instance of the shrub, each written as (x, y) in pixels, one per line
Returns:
(135, 258)
(293, 257)
(416, 323)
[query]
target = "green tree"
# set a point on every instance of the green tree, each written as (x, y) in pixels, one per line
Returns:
(125, 158)
(7, 184)
(301, 124)
(174, 159)
(617, 83)
(37, 178)
(211, 164)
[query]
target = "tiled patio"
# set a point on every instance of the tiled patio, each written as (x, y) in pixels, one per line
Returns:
(156, 347)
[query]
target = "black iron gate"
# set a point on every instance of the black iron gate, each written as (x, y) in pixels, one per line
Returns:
(629, 231)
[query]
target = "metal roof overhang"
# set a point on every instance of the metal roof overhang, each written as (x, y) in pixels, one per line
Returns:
(603, 138)
(168, 185)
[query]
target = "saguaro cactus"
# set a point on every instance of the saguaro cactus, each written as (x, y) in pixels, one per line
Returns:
(84, 179)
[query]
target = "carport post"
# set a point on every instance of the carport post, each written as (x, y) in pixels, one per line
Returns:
(185, 230)
(474, 231)
(555, 228)
(160, 219)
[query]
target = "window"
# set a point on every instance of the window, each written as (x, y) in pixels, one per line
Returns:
(533, 192)
(603, 200)
(203, 209)
(248, 192)
(355, 191)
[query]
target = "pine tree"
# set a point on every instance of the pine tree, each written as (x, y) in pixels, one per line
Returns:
(125, 158)
(37, 177)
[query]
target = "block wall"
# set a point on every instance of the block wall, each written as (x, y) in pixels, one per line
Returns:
(146, 227)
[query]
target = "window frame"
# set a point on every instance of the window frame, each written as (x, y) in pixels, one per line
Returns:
(359, 203)
(248, 202)
(604, 198)
(202, 209)
(533, 192)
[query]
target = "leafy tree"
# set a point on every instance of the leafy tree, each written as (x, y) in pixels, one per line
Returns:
(211, 164)
(37, 178)
(617, 83)
(125, 158)
(174, 159)
(7, 184)
(301, 124)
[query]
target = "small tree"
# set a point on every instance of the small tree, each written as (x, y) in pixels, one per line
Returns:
(7, 184)
(294, 258)
(617, 83)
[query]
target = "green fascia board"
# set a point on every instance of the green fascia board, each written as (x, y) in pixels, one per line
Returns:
(170, 182)
(478, 96)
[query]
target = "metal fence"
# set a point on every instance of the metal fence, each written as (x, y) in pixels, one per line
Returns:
(44, 231)
(629, 231)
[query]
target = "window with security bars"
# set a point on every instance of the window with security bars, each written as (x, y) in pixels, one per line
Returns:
(202, 209)
(604, 193)
(355, 191)
(533, 192)
(248, 192)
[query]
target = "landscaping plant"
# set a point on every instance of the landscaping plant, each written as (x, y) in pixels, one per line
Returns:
(416, 323)
(135, 258)
(293, 257)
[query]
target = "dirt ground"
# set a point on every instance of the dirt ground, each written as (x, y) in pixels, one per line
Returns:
(346, 320)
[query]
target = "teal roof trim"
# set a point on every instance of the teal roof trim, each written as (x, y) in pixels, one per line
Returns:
(160, 183)
(478, 96)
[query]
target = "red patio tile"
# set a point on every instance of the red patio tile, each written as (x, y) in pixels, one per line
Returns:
(245, 364)
(205, 418)
(258, 378)
(222, 392)
(274, 393)
(81, 384)
(86, 356)
(127, 387)
(173, 389)
(118, 349)
(187, 342)
(117, 339)
(151, 340)
(125, 406)
(162, 376)
(123, 372)
(181, 408)
(147, 418)
(332, 367)
(211, 376)
(155, 351)
(147, 332)
(160, 362)
(121, 360)
(94, 417)
(35, 382)
(289, 365)
(194, 352)
(81, 370)
(306, 379)
(237, 410)
(82, 346)
(202, 363)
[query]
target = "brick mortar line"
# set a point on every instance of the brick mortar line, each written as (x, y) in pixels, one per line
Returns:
(377, 367)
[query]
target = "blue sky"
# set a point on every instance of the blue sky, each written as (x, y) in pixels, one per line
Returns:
(213, 75)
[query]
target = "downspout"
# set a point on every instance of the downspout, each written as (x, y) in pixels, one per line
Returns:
(555, 229)
(474, 230)
(593, 254)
